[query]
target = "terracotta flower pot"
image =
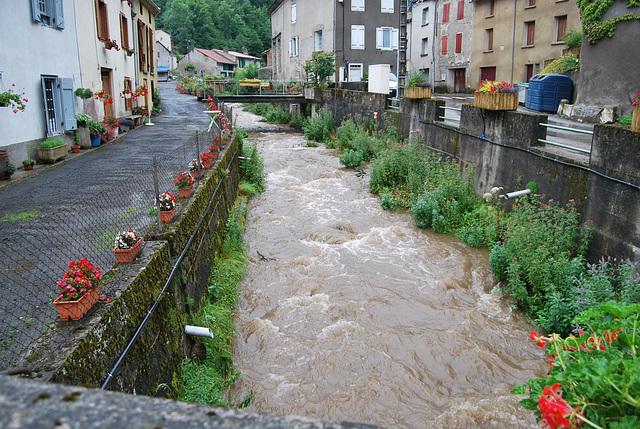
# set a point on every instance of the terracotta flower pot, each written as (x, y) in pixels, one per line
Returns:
(75, 148)
(167, 216)
(74, 310)
(197, 174)
(124, 256)
(207, 164)
(185, 192)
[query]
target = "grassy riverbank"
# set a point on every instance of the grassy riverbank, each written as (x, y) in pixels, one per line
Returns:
(208, 377)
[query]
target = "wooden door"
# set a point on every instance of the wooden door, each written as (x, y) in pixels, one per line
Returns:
(106, 87)
(529, 72)
(459, 80)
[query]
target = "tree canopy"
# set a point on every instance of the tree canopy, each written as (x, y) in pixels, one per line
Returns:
(213, 24)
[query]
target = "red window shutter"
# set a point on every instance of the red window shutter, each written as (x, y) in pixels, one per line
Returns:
(458, 43)
(445, 12)
(461, 9)
(444, 45)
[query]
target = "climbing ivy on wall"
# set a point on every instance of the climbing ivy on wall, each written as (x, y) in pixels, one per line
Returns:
(594, 28)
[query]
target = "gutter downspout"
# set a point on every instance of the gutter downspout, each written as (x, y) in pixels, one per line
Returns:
(513, 38)
(135, 41)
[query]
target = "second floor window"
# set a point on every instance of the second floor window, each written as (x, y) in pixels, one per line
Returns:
(293, 47)
(490, 8)
(386, 38)
(425, 46)
(124, 31)
(444, 44)
(294, 13)
(48, 13)
(560, 27)
(386, 6)
(529, 33)
(458, 43)
(357, 37)
(460, 9)
(531, 3)
(488, 39)
(357, 5)
(102, 19)
(445, 12)
(425, 16)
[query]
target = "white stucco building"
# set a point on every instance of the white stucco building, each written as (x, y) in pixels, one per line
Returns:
(422, 31)
(39, 54)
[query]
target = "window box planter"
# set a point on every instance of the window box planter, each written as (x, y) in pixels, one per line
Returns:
(496, 100)
(635, 119)
(417, 92)
(49, 156)
(74, 310)
(124, 256)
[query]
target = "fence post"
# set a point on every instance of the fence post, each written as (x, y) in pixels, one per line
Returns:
(157, 189)
(204, 95)
(198, 157)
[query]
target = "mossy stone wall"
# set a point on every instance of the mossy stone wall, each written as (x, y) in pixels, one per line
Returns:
(83, 352)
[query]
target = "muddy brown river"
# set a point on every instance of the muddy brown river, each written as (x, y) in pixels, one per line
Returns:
(352, 313)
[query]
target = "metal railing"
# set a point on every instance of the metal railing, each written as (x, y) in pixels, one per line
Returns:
(565, 146)
(215, 87)
(449, 118)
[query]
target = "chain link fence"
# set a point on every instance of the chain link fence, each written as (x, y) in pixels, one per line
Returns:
(37, 250)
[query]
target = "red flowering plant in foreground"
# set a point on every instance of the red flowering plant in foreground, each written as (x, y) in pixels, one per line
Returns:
(593, 375)
(206, 157)
(78, 281)
(637, 100)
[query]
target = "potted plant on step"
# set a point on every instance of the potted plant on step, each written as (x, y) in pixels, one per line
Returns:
(184, 183)
(95, 131)
(83, 121)
(75, 148)
(52, 150)
(416, 87)
(78, 290)
(496, 96)
(8, 171)
(28, 164)
(167, 203)
(128, 245)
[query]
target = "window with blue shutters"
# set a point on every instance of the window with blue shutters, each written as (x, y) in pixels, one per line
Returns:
(59, 104)
(48, 13)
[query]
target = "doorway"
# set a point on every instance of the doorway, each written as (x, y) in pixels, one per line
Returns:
(487, 73)
(459, 80)
(106, 87)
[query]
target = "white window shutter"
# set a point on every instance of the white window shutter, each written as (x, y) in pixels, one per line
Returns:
(57, 13)
(357, 37)
(357, 5)
(394, 38)
(379, 38)
(294, 14)
(68, 104)
(290, 47)
(386, 6)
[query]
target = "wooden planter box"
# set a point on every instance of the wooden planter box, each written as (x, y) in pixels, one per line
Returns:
(635, 119)
(496, 100)
(417, 92)
(49, 156)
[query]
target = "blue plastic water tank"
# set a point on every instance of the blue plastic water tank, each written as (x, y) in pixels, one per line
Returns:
(545, 92)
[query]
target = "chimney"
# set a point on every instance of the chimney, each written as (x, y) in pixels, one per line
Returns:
(245, 51)
(226, 49)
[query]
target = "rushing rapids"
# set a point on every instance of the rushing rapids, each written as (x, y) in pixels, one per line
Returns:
(348, 312)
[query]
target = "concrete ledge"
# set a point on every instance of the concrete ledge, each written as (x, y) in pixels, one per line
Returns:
(30, 404)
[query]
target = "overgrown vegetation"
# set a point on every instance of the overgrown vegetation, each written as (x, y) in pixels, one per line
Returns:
(207, 381)
(565, 64)
(572, 38)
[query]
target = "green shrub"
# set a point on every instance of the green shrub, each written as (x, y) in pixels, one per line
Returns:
(51, 143)
(319, 128)
(564, 64)
(277, 115)
(572, 38)
(624, 120)
(252, 164)
(351, 158)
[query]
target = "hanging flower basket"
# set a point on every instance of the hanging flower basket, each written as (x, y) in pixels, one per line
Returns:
(635, 119)
(74, 310)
